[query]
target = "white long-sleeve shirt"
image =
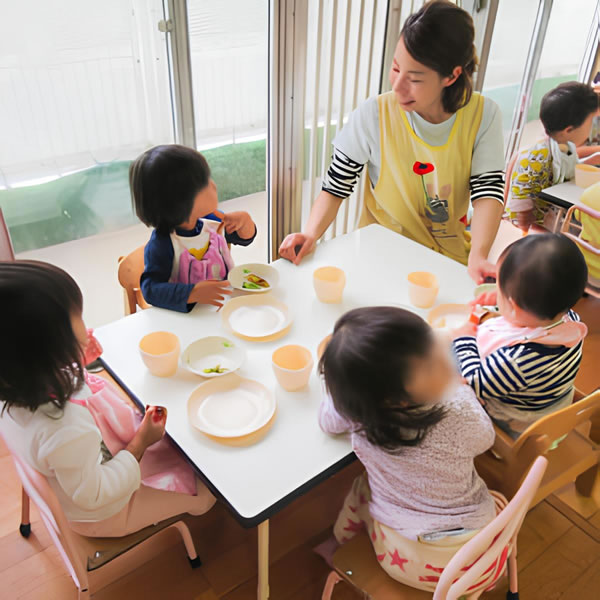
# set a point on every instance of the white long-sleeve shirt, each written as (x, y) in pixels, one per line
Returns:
(65, 446)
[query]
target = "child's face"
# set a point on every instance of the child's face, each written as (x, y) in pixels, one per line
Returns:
(579, 135)
(80, 331)
(433, 374)
(206, 202)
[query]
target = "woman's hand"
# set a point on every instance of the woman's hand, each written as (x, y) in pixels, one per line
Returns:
(240, 222)
(296, 246)
(209, 292)
(150, 431)
(480, 268)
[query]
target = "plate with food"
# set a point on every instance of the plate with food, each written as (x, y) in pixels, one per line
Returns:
(213, 356)
(254, 278)
(231, 407)
(257, 318)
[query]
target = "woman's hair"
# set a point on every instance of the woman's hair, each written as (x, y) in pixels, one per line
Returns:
(164, 182)
(40, 358)
(567, 105)
(440, 36)
(544, 274)
(366, 367)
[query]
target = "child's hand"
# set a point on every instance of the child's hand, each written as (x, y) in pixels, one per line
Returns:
(240, 222)
(210, 292)
(467, 330)
(93, 349)
(150, 431)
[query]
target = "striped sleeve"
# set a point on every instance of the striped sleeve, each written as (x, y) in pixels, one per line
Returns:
(487, 185)
(495, 377)
(342, 175)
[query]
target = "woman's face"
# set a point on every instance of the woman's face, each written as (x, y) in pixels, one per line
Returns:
(417, 87)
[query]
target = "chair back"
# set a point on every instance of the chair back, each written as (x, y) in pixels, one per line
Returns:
(37, 488)
(6, 248)
(577, 239)
(130, 272)
(486, 553)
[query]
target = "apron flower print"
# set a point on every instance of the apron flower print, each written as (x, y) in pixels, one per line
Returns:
(423, 190)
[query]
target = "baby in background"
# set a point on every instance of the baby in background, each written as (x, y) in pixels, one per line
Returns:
(522, 365)
(187, 259)
(567, 113)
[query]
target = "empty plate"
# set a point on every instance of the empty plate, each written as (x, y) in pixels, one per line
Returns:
(256, 318)
(449, 316)
(253, 278)
(213, 357)
(230, 407)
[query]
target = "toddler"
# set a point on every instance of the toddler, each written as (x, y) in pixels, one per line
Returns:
(112, 472)
(187, 259)
(522, 365)
(567, 113)
(392, 386)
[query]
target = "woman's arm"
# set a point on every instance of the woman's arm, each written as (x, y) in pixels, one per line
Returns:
(485, 221)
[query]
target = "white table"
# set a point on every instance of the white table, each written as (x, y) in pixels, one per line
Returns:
(257, 481)
(562, 194)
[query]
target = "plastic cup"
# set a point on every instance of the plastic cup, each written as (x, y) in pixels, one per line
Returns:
(292, 366)
(422, 288)
(329, 283)
(160, 353)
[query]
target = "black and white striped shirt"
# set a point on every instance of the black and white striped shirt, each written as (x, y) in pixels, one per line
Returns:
(527, 376)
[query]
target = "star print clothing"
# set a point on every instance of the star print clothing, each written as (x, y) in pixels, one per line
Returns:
(415, 563)
(434, 485)
(174, 263)
(546, 163)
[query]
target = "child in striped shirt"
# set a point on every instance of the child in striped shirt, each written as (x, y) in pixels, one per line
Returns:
(522, 365)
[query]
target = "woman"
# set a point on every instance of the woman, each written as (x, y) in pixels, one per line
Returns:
(429, 145)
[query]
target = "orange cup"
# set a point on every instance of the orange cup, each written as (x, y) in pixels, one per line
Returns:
(292, 366)
(160, 353)
(329, 283)
(422, 288)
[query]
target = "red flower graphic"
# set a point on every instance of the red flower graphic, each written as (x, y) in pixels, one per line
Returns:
(423, 168)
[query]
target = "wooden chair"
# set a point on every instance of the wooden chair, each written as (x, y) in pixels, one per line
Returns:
(83, 556)
(574, 459)
(6, 248)
(586, 246)
(130, 271)
(355, 562)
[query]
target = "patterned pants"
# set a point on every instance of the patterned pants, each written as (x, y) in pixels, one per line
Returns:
(411, 562)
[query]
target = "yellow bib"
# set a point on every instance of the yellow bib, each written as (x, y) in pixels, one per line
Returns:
(423, 191)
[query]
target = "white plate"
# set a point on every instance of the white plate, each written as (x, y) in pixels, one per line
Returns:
(449, 316)
(208, 352)
(230, 406)
(238, 274)
(256, 318)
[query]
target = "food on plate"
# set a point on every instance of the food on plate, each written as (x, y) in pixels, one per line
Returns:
(218, 369)
(254, 282)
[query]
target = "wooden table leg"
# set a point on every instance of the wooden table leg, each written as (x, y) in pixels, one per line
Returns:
(263, 560)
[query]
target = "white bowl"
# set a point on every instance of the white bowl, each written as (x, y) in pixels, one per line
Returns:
(210, 352)
(230, 407)
(237, 277)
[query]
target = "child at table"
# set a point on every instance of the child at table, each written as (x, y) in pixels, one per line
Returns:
(392, 386)
(522, 365)
(567, 113)
(112, 472)
(187, 259)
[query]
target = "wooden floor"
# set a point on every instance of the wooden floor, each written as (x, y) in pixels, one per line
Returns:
(559, 544)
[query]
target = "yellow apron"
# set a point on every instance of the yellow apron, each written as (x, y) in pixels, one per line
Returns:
(423, 191)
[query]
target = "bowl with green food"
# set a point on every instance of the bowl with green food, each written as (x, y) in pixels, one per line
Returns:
(213, 356)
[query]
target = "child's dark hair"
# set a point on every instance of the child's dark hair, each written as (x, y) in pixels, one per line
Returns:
(164, 182)
(567, 105)
(441, 36)
(366, 366)
(543, 274)
(40, 358)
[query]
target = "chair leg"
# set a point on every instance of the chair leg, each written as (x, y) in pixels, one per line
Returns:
(331, 582)
(25, 526)
(584, 484)
(186, 536)
(513, 575)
